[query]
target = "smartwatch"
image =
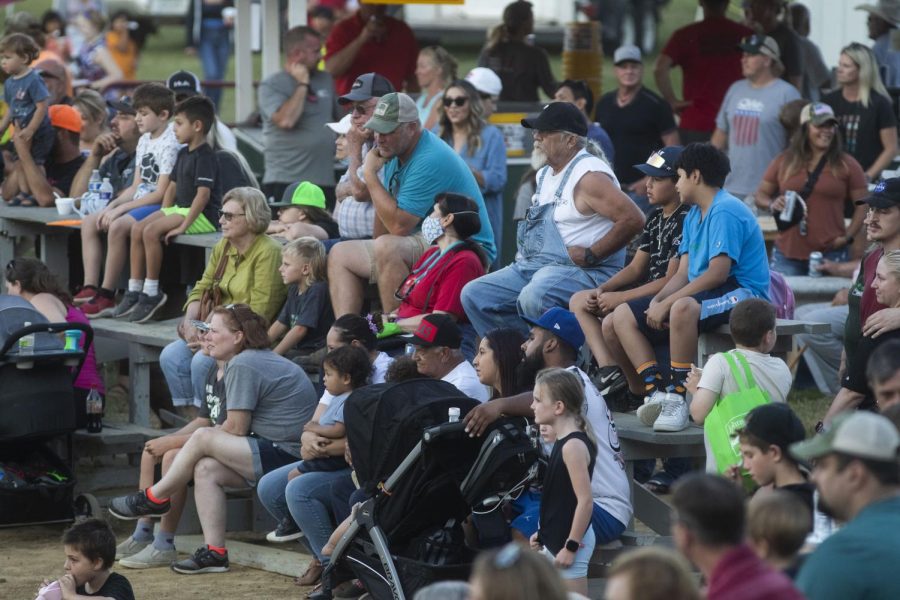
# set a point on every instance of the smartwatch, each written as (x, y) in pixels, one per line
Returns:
(572, 545)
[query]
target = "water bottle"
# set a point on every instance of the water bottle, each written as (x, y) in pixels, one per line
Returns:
(94, 406)
(453, 414)
(94, 184)
(106, 193)
(26, 343)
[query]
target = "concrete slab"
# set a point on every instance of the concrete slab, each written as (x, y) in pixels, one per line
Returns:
(257, 556)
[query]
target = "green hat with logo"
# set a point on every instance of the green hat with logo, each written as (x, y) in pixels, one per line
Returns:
(392, 110)
(302, 194)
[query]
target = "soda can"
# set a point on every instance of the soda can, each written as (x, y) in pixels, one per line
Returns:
(815, 260)
(790, 204)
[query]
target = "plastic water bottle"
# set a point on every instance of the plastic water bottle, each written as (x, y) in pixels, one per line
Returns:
(106, 193)
(94, 407)
(94, 184)
(26, 342)
(453, 414)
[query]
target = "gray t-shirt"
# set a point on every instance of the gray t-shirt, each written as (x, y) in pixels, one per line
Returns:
(306, 151)
(277, 391)
(755, 136)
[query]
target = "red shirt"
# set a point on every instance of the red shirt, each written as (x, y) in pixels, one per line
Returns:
(710, 62)
(394, 56)
(441, 284)
(741, 575)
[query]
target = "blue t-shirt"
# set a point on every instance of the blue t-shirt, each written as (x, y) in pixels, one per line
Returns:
(728, 228)
(433, 168)
(21, 94)
(335, 411)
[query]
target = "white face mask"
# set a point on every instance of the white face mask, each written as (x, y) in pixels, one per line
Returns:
(431, 229)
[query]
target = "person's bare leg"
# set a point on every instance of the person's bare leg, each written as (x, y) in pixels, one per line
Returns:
(636, 347)
(153, 243)
(300, 229)
(683, 319)
(592, 327)
(619, 357)
(349, 267)
(91, 250)
(138, 262)
(116, 250)
(394, 257)
(210, 479)
(169, 521)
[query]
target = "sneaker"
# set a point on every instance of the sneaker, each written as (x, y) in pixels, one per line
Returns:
(204, 560)
(609, 380)
(674, 414)
(84, 295)
(136, 505)
(130, 547)
(150, 557)
(126, 305)
(98, 307)
(649, 411)
(147, 307)
(286, 531)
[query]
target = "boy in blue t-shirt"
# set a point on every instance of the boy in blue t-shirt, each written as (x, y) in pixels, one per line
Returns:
(723, 261)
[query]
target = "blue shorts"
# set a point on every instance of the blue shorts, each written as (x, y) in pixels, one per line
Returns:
(142, 212)
(606, 527)
(267, 456)
(579, 566)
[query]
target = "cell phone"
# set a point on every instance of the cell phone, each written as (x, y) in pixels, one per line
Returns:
(200, 325)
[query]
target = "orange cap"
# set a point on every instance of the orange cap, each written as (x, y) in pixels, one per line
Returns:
(65, 117)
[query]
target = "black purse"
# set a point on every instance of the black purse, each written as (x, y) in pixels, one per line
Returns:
(799, 215)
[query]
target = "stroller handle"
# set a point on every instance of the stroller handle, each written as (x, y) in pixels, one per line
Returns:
(432, 434)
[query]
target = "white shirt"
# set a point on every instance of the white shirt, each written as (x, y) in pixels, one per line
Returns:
(464, 377)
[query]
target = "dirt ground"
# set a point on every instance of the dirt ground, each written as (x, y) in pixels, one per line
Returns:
(30, 554)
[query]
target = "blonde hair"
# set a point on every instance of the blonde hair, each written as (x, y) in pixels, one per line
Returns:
(443, 60)
(92, 104)
(313, 252)
(256, 209)
(891, 259)
(782, 521)
(656, 573)
(567, 387)
(869, 78)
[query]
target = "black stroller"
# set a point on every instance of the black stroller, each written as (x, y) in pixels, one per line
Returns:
(37, 407)
(425, 476)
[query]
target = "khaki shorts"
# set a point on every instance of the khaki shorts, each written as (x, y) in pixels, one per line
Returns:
(414, 246)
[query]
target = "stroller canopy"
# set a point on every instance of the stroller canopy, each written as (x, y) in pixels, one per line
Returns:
(14, 313)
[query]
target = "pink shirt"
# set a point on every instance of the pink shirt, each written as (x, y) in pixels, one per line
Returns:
(89, 376)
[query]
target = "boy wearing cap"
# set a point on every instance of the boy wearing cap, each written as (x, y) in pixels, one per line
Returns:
(747, 125)
(437, 340)
(302, 213)
(855, 469)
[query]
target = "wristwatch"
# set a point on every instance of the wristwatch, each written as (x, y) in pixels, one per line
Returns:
(589, 258)
(572, 545)
(849, 239)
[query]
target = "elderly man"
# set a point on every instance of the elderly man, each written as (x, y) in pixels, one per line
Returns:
(437, 341)
(417, 166)
(574, 234)
(855, 471)
(295, 104)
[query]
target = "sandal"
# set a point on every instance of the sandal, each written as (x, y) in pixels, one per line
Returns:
(312, 574)
(660, 483)
(28, 200)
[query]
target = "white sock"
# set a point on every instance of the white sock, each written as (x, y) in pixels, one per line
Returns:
(151, 287)
(135, 285)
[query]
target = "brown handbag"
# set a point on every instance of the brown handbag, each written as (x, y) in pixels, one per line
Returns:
(212, 296)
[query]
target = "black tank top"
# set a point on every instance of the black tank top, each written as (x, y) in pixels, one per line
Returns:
(558, 501)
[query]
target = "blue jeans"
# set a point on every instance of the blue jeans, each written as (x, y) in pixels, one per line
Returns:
(794, 266)
(185, 373)
(306, 498)
(214, 51)
(493, 203)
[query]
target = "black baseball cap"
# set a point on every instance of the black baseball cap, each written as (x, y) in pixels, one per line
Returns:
(123, 105)
(885, 195)
(559, 116)
(184, 82)
(369, 85)
(775, 423)
(437, 329)
(662, 162)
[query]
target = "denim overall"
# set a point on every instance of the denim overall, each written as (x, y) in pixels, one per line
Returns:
(542, 276)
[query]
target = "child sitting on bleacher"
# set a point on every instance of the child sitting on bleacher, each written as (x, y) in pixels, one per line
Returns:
(302, 213)
(306, 316)
(777, 526)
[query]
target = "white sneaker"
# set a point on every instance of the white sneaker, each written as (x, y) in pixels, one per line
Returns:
(130, 547)
(650, 409)
(674, 414)
(150, 557)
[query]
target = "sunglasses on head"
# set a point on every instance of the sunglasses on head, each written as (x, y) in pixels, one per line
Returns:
(458, 101)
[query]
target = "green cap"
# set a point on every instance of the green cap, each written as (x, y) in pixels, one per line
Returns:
(302, 194)
(861, 434)
(392, 110)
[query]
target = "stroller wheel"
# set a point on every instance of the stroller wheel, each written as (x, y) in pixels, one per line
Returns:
(86, 505)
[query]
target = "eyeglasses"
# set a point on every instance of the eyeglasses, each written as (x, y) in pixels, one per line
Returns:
(458, 101)
(229, 217)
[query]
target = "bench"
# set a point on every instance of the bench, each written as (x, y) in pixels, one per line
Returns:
(808, 290)
(720, 340)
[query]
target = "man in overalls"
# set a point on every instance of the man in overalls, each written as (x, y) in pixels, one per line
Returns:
(574, 234)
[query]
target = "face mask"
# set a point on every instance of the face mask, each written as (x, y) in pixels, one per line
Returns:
(431, 229)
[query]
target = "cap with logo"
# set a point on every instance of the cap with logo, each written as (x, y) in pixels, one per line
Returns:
(559, 116)
(662, 162)
(485, 81)
(627, 53)
(391, 111)
(885, 195)
(64, 116)
(760, 44)
(437, 329)
(561, 323)
(817, 113)
(123, 105)
(302, 194)
(341, 127)
(366, 86)
(860, 434)
(775, 423)
(886, 10)
(183, 82)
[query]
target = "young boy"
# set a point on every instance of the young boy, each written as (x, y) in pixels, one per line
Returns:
(154, 161)
(752, 324)
(777, 526)
(654, 262)
(190, 205)
(722, 260)
(90, 547)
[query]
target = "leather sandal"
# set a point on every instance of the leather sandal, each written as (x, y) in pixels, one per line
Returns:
(312, 575)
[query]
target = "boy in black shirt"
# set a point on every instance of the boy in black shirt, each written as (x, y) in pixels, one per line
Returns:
(90, 548)
(190, 205)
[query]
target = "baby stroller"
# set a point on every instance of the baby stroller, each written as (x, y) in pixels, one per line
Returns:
(37, 407)
(424, 475)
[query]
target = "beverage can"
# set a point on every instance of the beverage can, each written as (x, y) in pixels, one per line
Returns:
(790, 202)
(453, 414)
(816, 259)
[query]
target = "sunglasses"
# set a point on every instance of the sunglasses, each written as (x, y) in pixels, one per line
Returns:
(458, 101)
(229, 217)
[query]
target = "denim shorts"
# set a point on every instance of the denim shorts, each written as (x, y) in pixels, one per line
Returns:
(579, 567)
(268, 456)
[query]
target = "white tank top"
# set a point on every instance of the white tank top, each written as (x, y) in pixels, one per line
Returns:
(575, 228)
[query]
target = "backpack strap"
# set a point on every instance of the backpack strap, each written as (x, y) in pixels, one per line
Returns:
(746, 382)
